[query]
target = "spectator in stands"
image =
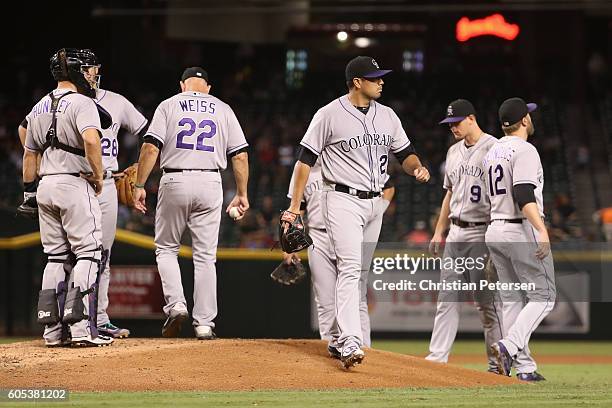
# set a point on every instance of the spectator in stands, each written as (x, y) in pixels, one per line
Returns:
(603, 218)
(583, 157)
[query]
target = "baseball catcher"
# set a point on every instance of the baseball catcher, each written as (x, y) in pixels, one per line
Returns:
(125, 185)
(292, 233)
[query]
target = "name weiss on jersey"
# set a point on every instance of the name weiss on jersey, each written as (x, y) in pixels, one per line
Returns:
(200, 105)
(364, 140)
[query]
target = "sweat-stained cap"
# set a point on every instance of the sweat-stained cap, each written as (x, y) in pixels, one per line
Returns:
(513, 110)
(458, 110)
(196, 72)
(363, 67)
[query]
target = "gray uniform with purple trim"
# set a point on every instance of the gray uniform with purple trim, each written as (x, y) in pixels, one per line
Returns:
(465, 178)
(322, 262)
(513, 161)
(68, 211)
(125, 116)
(354, 151)
(198, 131)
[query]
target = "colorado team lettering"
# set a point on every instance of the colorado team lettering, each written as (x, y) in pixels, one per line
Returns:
(468, 170)
(366, 139)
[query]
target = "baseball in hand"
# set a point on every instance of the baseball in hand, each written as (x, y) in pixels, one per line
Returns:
(234, 212)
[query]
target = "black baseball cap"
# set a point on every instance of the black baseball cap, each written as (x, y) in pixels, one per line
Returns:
(363, 67)
(196, 72)
(513, 110)
(458, 110)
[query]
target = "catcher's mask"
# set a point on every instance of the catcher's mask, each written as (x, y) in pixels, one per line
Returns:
(70, 64)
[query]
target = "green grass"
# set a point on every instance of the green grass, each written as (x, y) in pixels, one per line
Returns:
(6, 340)
(420, 347)
(577, 385)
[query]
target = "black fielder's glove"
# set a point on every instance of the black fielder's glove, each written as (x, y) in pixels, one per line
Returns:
(292, 233)
(289, 273)
(29, 207)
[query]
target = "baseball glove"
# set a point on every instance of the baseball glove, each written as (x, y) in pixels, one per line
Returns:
(490, 272)
(29, 207)
(289, 274)
(292, 233)
(125, 185)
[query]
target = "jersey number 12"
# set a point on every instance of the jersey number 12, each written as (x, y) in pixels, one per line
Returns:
(494, 189)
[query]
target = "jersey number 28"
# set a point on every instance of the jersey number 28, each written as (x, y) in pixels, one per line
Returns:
(209, 130)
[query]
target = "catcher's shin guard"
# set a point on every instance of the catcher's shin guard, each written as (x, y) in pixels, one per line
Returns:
(93, 295)
(51, 302)
(48, 311)
(75, 304)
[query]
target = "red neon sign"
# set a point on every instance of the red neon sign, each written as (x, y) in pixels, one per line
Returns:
(493, 25)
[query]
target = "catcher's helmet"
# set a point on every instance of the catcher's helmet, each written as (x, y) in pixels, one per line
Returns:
(68, 64)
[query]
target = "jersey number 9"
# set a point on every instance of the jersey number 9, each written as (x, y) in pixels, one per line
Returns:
(209, 130)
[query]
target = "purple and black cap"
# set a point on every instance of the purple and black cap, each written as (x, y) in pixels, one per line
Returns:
(513, 110)
(458, 110)
(196, 72)
(364, 67)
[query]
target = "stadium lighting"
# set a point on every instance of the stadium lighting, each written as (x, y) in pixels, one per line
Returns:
(362, 42)
(342, 36)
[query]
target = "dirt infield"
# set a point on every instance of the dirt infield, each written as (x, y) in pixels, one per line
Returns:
(161, 364)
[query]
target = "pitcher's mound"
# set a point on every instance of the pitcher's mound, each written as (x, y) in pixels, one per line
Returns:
(181, 364)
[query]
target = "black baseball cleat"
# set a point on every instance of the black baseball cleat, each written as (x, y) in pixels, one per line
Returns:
(530, 377)
(172, 327)
(334, 352)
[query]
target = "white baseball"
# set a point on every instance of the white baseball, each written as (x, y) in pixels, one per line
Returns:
(234, 213)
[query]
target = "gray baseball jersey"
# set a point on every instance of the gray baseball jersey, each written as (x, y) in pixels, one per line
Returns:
(312, 197)
(75, 114)
(322, 262)
(512, 161)
(198, 131)
(68, 211)
(512, 246)
(465, 176)
(353, 147)
(125, 116)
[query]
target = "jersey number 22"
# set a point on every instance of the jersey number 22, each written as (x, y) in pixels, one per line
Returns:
(209, 129)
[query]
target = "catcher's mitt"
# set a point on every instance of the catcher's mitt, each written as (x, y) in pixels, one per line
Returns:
(125, 185)
(289, 274)
(292, 233)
